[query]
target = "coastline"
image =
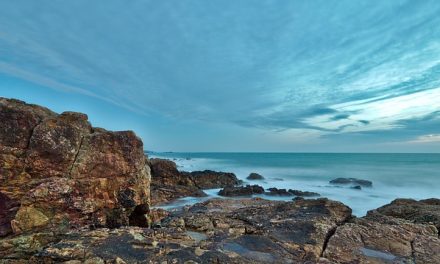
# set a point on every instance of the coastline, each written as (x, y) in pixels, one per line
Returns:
(412, 176)
(76, 194)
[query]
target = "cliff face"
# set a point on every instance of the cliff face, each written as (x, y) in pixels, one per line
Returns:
(57, 171)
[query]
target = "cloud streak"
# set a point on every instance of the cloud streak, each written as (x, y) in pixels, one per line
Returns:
(335, 67)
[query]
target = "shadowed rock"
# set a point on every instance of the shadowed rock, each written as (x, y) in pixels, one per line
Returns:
(278, 192)
(247, 190)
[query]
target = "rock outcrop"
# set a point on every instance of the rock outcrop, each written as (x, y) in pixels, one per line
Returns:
(404, 231)
(421, 212)
(168, 183)
(57, 171)
(244, 231)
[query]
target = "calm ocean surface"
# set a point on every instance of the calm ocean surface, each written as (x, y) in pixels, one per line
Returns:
(393, 175)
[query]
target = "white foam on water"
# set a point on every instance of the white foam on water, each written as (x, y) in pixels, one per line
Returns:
(316, 179)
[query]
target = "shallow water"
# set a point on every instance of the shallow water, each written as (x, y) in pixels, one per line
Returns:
(414, 176)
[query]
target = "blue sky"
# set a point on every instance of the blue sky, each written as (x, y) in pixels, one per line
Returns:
(193, 75)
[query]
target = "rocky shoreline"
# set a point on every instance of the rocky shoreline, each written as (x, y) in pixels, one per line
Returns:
(72, 193)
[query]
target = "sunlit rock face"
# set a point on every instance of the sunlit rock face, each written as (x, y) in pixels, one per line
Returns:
(57, 171)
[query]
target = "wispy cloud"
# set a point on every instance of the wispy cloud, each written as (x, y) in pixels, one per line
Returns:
(432, 138)
(331, 67)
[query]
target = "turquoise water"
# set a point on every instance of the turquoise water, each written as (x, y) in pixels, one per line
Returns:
(393, 175)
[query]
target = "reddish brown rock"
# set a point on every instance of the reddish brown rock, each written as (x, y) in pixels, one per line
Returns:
(8, 209)
(384, 241)
(55, 143)
(58, 172)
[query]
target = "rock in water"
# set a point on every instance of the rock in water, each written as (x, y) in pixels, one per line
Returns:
(278, 192)
(56, 171)
(255, 176)
(247, 190)
(352, 181)
(303, 193)
(169, 184)
(209, 179)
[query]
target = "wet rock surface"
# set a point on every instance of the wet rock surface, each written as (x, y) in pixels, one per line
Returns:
(247, 190)
(58, 172)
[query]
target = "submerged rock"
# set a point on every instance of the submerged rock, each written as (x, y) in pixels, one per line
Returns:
(255, 176)
(278, 192)
(58, 172)
(352, 181)
(247, 190)
(303, 193)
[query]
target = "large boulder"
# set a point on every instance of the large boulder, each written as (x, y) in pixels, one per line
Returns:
(58, 172)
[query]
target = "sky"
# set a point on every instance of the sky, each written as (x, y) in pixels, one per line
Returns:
(227, 75)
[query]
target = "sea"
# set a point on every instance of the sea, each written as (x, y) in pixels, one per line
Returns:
(415, 176)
